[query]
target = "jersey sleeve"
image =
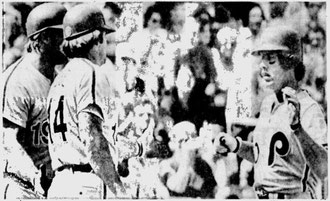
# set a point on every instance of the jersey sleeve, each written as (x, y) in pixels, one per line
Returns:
(16, 104)
(313, 121)
(86, 95)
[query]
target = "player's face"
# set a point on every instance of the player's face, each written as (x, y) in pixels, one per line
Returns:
(154, 21)
(205, 35)
(143, 115)
(274, 77)
(255, 20)
(53, 46)
(102, 50)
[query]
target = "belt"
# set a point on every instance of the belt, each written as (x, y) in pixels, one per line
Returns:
(263, 194)
(25, 184)
(76, 168)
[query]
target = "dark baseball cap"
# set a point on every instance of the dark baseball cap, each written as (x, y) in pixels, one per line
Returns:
(83, 19)
(43, 17)
(279, 38)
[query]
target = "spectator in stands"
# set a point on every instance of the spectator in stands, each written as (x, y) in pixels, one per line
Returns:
(194, 72)
(149, 45)
(315, 62)
(186, 174)
(112, 13)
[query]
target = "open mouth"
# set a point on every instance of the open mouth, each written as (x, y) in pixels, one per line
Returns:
(266, 77)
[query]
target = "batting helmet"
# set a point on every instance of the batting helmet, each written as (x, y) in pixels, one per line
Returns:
(43, 17)
(83, 19)
(280, 38)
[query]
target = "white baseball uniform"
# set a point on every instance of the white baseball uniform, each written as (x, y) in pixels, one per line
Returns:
(280, 165)
(24, 104)
(80, 84)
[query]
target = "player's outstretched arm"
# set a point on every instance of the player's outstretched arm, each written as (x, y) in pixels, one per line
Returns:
(246, 151)
(315, 154)
(226, 143)
(90, 128)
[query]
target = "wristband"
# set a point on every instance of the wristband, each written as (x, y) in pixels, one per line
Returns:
(140, 149)
(129, 90)
(238, 140)
(295, 126)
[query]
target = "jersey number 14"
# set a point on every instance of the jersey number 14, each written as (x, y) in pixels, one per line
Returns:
(59, 125)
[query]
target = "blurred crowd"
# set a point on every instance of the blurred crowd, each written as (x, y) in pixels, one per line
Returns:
(187, 74)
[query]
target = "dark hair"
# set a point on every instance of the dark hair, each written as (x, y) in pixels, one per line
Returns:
(166, 8)
(277, 9)
(262, 11)
(204, 57)
(114, 7)
(199, 12)
(222, 14)
(80, 47)
(150, 10)
(37, 39)
(287, 62)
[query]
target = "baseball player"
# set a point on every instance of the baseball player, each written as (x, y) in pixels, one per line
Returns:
(26, 85)
(83, 112)
(287, 143)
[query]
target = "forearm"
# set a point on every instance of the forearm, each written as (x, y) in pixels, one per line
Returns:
(315, 154)
(90, 128)
(246, 151)
(12, 149)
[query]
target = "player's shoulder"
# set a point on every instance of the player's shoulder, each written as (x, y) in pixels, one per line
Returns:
(75, 69)
(15, 70)
(20, 75)
(80, 65)
(307, 102)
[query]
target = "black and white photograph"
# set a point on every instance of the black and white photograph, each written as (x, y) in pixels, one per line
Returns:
(164, 100)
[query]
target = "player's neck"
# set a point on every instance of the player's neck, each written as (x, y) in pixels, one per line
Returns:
(95, 55)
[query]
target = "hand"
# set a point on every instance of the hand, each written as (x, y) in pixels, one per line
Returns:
(210, 89)
(127, 148)
(225, 143)
(293, 105)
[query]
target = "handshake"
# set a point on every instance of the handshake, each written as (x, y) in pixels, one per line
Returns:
(225, 143)
(128, 148)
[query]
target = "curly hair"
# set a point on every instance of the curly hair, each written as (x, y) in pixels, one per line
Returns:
(153, 9)
(80, 47)
(288, 61)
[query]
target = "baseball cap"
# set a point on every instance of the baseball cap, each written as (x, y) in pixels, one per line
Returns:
(279, 38)
(43, 17)
(83, 19)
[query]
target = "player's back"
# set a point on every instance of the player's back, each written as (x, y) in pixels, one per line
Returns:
(80, 84)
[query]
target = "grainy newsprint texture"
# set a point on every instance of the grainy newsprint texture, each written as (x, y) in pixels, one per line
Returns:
(163, 100)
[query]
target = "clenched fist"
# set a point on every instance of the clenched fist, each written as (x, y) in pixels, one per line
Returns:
(293, 106)
(225, 143)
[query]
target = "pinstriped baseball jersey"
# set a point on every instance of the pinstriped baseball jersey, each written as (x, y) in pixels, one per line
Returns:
(80, 84)
(280, 165)
(24, 104)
